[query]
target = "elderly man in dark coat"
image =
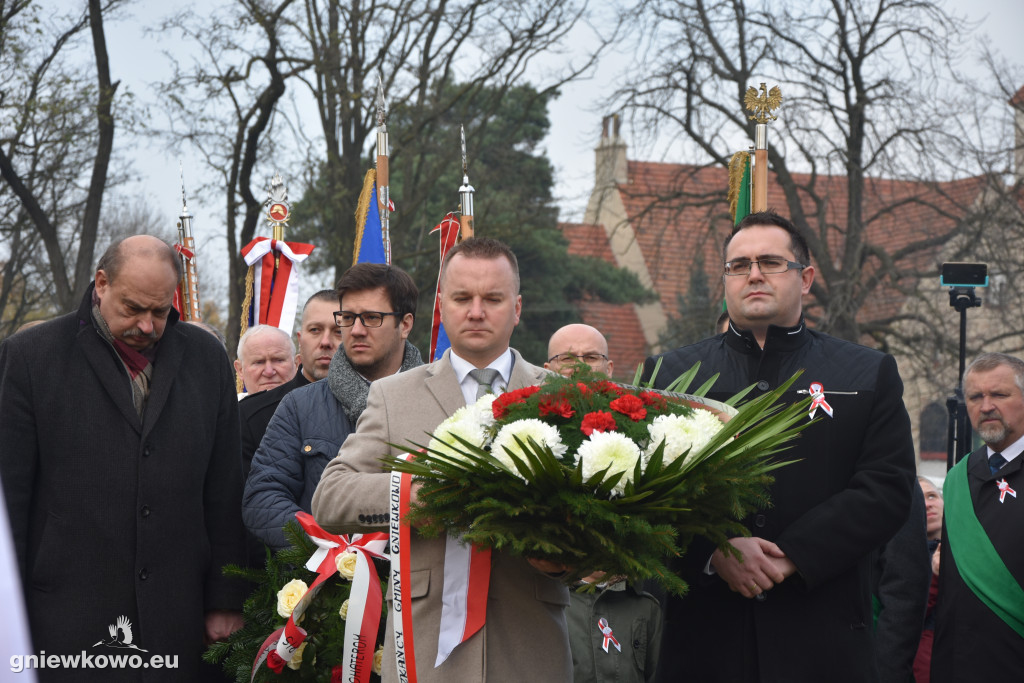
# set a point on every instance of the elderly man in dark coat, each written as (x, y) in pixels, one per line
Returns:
(979, 615)
(119, 452)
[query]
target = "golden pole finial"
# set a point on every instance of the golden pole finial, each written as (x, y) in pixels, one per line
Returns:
(762, 107)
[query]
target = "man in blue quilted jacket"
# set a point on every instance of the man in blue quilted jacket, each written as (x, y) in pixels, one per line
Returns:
(377, 306)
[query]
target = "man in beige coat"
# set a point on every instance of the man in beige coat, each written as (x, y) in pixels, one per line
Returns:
(525, 635)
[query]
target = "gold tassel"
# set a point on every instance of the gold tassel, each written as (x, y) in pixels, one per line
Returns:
(250, 277)
(362, 209)
(735, 180)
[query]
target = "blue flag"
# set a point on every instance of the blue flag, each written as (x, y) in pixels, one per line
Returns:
(369, 246)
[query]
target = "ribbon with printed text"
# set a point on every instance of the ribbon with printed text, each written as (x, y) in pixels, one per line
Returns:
(401, 603)
(466, 581)
(365, 599)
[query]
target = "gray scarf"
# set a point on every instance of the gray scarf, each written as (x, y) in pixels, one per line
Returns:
(351, 388)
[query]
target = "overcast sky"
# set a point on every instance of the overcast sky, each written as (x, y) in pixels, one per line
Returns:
(138, 61)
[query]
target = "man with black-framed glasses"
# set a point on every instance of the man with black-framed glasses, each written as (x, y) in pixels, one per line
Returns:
(377, 306)
(794, 603)
(578, 343)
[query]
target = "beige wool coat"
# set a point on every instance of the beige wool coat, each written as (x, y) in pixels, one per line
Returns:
(525, 637)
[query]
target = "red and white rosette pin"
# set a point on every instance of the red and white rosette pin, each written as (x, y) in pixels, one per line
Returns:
(608, 637)
(817, 392)
(1005, 489)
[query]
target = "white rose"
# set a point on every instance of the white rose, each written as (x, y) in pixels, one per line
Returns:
(289, 596)
(346, 563)
(296, 661)
(343, 612)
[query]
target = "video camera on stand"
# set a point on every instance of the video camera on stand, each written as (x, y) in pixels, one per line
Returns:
(961, 278)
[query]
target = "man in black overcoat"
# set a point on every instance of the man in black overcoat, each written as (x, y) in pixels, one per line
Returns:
(119, 453)
(979, 618)
(797, 608)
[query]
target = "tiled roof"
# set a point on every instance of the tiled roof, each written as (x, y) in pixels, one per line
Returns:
(618, 322)
(680, 210)
(587, 240)
(1018, 98)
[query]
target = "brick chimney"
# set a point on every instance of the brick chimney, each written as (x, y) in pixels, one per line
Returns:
(1017, 102)
(610, 155)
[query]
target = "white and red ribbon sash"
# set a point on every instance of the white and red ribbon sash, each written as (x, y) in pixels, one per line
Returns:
(266, 648)
(467, 578)
(1005, 489)
(818, 394)
(275, 298)
(401, 604)
(365, 598)
(606, 631)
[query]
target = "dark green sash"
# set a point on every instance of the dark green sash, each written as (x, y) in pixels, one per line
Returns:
(976, 558)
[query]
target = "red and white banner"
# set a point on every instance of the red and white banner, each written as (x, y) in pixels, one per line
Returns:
(179, 299)
(467, 578)
(449, 229)
(275, 296)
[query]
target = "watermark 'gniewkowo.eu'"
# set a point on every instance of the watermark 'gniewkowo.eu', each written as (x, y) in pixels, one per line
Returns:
(86, 660)
(120, 638)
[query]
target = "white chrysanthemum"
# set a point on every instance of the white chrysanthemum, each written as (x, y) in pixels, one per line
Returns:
(481, 412)
(473, 422)
(682, 432)
(465, 427)
(541, 432)
(611, 450)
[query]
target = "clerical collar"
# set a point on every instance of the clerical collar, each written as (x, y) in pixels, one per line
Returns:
(776, 339)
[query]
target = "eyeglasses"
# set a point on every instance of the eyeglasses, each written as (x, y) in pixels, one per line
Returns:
(767, 266)
(568, 358)
(367, 318)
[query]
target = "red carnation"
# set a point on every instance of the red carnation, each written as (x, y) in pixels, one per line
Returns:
(597, 421)
(275, 662)
(653, 399)
(584, 389)
(501, 404)
(555, 405)
(606, 387)
(629, 405)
